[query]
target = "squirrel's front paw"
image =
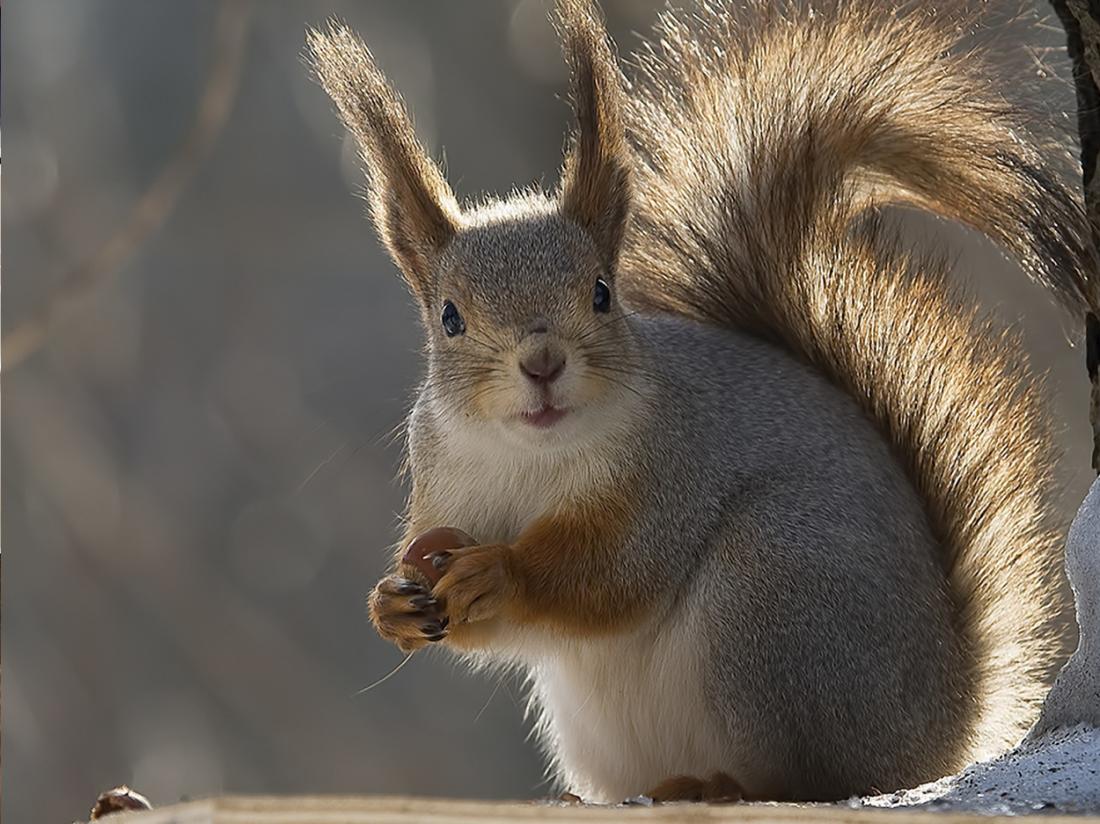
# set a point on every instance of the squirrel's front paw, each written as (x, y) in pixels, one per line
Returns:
(478, 582)
(406, 613)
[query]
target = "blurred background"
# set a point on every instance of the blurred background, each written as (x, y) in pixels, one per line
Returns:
(206, 356)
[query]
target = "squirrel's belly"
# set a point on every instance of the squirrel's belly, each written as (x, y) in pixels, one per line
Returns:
(619, 715)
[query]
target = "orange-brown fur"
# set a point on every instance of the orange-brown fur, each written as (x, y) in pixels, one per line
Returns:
(555, 575)
(562, 566)
(719, 787)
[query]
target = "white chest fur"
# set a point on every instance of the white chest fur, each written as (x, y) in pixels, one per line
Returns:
(493, 490)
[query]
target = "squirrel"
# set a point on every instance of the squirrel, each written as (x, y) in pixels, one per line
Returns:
(762, 505)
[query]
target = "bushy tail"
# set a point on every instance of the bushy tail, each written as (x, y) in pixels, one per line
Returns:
(763, 131)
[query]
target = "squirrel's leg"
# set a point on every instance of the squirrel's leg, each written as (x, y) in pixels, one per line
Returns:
(566, 571)
(719, 787)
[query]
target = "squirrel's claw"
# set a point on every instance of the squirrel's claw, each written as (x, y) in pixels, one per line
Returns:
(440, 560)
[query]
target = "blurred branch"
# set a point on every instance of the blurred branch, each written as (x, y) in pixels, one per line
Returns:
(152, 209)
(1081, 19)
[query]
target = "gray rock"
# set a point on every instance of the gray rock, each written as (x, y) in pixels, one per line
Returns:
(1075, 698)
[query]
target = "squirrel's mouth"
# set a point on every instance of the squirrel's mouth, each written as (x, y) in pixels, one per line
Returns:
(545, 417)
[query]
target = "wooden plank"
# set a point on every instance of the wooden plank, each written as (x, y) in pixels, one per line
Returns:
(394, 810)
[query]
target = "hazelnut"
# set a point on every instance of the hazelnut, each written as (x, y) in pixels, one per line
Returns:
(427, 543)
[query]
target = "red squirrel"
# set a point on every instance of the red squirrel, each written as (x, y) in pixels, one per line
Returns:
(758, 502)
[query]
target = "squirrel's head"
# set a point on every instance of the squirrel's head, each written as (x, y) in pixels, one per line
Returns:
(518, 297)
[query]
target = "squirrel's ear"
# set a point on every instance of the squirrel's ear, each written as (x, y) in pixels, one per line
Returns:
(414, 210)
(596, 181)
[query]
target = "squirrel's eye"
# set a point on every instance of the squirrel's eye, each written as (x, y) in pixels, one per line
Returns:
(453, 324)
(601, 299)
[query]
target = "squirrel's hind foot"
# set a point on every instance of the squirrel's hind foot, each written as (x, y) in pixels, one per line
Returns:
(719, 788)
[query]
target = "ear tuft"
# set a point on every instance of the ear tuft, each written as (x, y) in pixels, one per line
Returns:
(413, 208)
(596, 180)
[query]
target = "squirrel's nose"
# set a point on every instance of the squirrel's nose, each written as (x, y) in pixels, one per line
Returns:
(543, 367)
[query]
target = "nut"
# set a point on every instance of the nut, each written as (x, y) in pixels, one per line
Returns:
(430, 542)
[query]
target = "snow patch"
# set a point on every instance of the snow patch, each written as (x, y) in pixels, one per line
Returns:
(1057, 772)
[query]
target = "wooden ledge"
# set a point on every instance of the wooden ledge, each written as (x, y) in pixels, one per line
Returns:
(394, 810)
